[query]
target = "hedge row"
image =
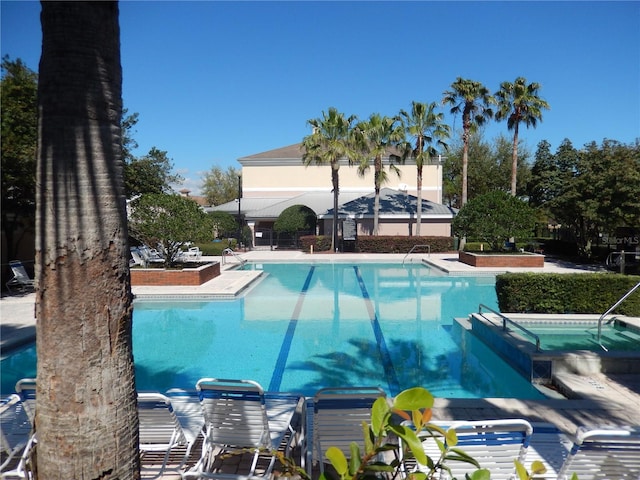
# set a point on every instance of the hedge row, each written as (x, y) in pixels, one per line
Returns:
(381, 244)
(566, 293)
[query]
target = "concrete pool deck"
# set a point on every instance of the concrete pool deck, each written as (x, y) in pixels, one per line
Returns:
(602, 399)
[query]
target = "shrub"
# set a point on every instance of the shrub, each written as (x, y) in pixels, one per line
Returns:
(566, 293)
(382, 244)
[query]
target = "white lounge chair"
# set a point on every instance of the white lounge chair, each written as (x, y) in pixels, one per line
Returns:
(604, 453)
(241, 418)
(25, 468)
(150, 255)
(494, 444)
(193, 254)
(160, 431)
(26, 389)
(20, 279)
(335, 419)
(15, 430)
(136, 258)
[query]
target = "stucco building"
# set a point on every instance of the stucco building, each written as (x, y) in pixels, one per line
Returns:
(277, 179)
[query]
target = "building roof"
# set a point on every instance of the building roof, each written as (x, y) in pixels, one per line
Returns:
(292, 154)
(272, 207)
(393, 204)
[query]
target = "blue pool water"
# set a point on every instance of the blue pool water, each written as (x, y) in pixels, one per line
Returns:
(307, 326)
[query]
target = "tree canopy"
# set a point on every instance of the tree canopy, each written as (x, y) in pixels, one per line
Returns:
(166, 222)
(18, 102)
(590, 191)
(296, 218)
(151, 173)
(495, 217)
(489, 170)
(224, 224)
(221, 186)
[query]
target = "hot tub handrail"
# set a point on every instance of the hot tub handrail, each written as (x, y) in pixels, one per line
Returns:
(229, 251)
(506, 320)
(611, 309)
(413, 248)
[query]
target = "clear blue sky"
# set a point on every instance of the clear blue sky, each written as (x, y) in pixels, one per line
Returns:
(216, 81)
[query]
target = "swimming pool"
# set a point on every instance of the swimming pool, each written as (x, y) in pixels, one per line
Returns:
(567, 344)
(307, 326)
(584, 336)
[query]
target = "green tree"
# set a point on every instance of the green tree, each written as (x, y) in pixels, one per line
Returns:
(128, 142)
(605, 191)
(223, 224)
(168, 222)
(18, 102)
(221, 186)
(376, 138)
(494, 218)
(473, 101)
(151, 173)
(86, 404)
(294, 219)
(502, 150)
(331, 141)
(427, 131)
(545, 183)
(519, 103)
(490, 170)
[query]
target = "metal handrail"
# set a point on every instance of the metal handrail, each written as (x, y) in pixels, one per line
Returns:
(611, 309)
(506, 320)
(231, 252)
(413, 248)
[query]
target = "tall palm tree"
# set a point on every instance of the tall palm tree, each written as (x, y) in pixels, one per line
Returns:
(86, 413)
(519, 103)
(474, 101)
(330, 142)
(376, 137)
(426, 128)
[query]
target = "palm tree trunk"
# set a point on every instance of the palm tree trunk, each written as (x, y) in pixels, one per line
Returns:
(376, 201)
(465, 167)
(514, 161)
(86, 413)
(419, 204)
(335, 182)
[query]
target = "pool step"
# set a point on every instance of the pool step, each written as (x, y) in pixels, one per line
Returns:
(596, 387)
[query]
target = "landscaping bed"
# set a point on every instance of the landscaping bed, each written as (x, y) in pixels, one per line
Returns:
(185, 276)
(525, 259)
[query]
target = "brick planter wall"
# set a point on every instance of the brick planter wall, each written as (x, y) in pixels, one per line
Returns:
(497, 260)
(186, 276)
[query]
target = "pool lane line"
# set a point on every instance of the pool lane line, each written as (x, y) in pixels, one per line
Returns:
(285, 348)
(387, 364)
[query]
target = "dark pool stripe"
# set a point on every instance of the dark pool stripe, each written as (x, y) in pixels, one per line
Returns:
(281, 363)
(387, 365)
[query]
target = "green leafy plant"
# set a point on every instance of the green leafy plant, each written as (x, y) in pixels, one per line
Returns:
(408, 418)
(494, 218)
(166, 222)
(412, 406)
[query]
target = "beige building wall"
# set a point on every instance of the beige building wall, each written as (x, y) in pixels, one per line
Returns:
(399, 227)
(294, 179)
